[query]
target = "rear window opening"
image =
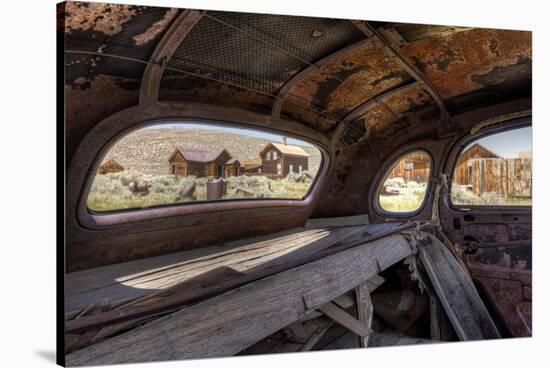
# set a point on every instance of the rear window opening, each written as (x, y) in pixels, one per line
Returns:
(405, 185)
(188, 162)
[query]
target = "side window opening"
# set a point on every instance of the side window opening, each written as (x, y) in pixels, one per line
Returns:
(495, 170)
(404, 188)
(180, 163)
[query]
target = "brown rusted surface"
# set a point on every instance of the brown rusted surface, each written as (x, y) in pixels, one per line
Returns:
(350, 79)
(156, 28)
(182, 87)
(105, 18)
(89, 101)
(471, 60)
(505, 277)
(471, 68)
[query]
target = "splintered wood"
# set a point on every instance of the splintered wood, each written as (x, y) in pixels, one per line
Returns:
(228, 323)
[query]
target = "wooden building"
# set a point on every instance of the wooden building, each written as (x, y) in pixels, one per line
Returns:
(232, 167)
(109, 166)
(280, 159)
(484, 171)
(414, 166)
(202, 163)
(252, 167)
(464, 168)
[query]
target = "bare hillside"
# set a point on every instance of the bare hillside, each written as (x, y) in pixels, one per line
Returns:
(147, 150)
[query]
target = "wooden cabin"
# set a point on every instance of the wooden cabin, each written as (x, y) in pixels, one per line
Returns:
(414, 166)
(109, 166)
(464, 169)
(252, 167)
(232, 167)
(202, 163)
(280, 159)
(484, 171)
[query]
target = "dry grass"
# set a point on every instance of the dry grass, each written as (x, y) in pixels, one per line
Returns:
(462, 195)
(409, 196)
(110, 192)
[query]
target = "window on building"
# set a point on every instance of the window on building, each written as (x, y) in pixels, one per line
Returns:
(274, 155)
(495, 170)
(268, 156)
(180, 163)
(405, 185)
(300, 169)
(290, 168)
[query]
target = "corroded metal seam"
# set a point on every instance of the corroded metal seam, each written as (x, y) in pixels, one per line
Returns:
(197, 75)
(367, 105)
(280, 99)
(370, 31)
(171, 40)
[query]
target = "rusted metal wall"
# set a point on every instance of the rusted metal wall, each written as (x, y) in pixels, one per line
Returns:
(320, 74)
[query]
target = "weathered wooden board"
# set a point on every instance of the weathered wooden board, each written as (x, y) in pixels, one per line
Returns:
(144, 277)
(343, 221)
(456, 292)
(226, 324)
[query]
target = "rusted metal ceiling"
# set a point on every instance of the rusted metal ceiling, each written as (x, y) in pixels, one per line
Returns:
(355, 82)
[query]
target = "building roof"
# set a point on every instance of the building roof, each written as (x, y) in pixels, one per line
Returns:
(288, 149)
(489, 153)
(231, 161)
(252, 164)
(198, 155)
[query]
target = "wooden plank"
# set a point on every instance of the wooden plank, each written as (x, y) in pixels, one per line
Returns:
(343, 318)
(228, 323)
(316, 336)
(343, 221)
(456, 292)
(143, 277)
(435, 315)
(365, 309)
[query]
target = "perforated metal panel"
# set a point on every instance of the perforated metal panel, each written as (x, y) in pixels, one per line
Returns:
(221, 52)
(256, 51)
(307, 38)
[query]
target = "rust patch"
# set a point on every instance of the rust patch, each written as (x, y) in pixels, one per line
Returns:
(350, 79)
(158, 27)
(105, 18)
(455, 64)
(182, 87)
(90, 101)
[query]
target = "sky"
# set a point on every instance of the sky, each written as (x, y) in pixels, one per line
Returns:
(242, 131)
(508, 144)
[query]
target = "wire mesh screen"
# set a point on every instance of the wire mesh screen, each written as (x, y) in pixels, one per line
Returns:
(307, 38)
(218, 51)
(256, 51)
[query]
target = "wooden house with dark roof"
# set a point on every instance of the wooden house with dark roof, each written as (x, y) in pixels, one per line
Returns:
(203, 163)
(280, 159)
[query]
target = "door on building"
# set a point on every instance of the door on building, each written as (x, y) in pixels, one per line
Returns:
(219, 171)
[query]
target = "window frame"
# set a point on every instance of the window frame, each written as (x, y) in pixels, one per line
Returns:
(388, 167)
(92, 218)
(460, 146)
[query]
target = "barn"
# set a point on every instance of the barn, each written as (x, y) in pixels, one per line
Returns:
(202, 163)
(482, 171)
(414, 166)
(280, 159)
(464, 169)
(109, 166)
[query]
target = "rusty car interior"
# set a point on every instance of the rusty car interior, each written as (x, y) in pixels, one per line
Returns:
(390, 107)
